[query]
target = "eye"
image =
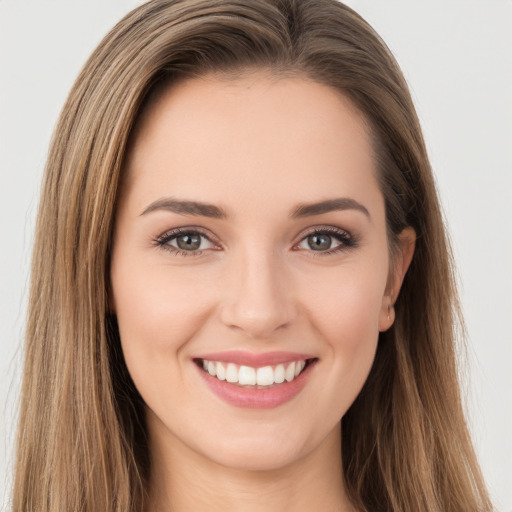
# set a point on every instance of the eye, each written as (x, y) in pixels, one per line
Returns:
(185, 242)
(328, 240)
(192, 242)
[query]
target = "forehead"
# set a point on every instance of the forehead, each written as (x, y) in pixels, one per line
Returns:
(255, 136)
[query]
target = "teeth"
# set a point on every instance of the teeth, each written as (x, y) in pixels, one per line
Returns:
(221, 371)
(279, 374)
(299, 366)
(232, 373)
(249, 376)
(265, 376)
(289, 373)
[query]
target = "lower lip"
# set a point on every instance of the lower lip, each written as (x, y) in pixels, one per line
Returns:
(254, 398)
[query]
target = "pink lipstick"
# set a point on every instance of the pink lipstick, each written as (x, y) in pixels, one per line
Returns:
(255, 381)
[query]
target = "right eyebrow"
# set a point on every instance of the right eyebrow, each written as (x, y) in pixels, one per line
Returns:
(187, 208)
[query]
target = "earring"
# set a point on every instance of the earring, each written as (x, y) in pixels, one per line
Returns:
(389, 310)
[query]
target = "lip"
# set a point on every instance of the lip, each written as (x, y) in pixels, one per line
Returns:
(253, 359)
(253, 397)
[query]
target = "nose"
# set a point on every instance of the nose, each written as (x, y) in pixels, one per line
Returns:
(258, 297)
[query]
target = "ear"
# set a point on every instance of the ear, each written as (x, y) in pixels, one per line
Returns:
(398, 268)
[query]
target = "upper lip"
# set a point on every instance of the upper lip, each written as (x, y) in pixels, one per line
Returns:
(253, 359)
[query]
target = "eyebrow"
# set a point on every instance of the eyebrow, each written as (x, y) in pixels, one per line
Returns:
(329, 205)
(184, 207)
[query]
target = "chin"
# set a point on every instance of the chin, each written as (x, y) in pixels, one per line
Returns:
(256, 456)
(269, 449)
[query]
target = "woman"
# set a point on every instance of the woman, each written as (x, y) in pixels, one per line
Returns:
(242, 295)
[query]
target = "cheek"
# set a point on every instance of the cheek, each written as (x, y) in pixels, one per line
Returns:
(353, 337)
(346, 315)
(348, 304)
(157, 313)
(154, 303)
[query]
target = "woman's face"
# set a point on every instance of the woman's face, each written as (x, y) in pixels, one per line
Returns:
(250, 240)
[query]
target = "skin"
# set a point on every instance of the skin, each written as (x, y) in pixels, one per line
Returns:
(256, 146)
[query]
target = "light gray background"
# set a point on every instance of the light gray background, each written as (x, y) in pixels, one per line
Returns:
(457, 58)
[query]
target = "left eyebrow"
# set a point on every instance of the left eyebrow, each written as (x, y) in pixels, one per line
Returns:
(329, 205)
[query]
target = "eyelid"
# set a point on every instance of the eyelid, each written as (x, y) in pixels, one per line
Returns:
(324, 229)
(170, 233)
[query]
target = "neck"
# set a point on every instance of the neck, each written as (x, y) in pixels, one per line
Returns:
(183, 480)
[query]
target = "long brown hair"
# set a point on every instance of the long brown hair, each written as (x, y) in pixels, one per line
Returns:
(82, 443)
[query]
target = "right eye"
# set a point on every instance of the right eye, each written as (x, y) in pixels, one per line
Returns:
(185, 242)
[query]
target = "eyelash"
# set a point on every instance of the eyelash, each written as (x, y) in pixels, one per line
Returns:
(347, 241)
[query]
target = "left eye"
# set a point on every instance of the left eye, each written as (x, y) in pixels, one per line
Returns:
(317, 242)
(325, 241)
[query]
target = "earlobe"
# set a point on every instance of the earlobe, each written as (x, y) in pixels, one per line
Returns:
(387, 314)
(399, 267)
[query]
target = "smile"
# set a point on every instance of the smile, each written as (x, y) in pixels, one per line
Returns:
(255, 381)
(249, 376)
